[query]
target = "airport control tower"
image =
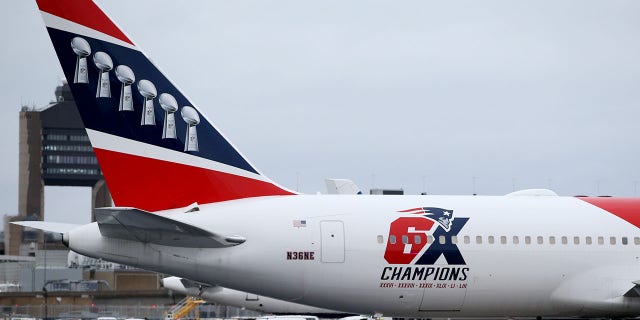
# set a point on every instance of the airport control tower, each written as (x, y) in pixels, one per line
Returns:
(54, 151)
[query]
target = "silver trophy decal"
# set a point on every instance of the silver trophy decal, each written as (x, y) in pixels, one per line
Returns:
(190, 116)
(148, 91)
(104, 64)
(170, 106)
(126, 76)
(82, 49)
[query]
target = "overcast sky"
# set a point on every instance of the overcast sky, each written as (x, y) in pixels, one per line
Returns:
(448, 97)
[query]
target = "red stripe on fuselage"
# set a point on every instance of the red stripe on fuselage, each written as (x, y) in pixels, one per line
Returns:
(625, 208)
(152, 185)
(83, 12)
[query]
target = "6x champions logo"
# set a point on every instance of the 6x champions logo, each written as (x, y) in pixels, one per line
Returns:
(409, 243)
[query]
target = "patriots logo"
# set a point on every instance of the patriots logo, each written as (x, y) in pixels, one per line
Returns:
(442, 216)
(414, 231)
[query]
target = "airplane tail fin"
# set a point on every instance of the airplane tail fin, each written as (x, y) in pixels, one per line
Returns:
(155, 148)
(342, 186)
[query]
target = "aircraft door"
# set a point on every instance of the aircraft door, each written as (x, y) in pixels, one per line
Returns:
(443, 295)
(332, 241)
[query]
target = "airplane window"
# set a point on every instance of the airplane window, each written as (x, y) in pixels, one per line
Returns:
(405, 239)
(576, 240)
(600, 240)
(540, 240)
(479, 239)
(612, 240)
(380, 239)
(587, 240)
(442, 239)
(392, 239)
(516, 240)
(625, 241)
(467, 239)
(564, 240)
(552, 240)
(503, 239)
(636, 240)
(527, 240)
(490, 240)
(430, 239)
(454, 239)
(417, 239)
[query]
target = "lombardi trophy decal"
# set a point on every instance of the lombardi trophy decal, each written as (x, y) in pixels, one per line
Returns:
(190, 116)
(104, 64)
(82, 49)
(170, 106)
(148, 92)
(126, 76)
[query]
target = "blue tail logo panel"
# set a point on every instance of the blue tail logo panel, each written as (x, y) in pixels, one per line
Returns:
(120, 92)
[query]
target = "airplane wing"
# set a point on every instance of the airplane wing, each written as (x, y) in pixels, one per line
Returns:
(139, 225)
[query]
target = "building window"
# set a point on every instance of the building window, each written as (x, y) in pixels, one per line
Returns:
(78, 138)
(56, 137)
(79, 171)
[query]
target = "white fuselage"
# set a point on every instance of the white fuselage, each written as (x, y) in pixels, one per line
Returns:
(523, 255)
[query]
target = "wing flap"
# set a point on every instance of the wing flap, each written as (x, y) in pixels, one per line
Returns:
(143, 226)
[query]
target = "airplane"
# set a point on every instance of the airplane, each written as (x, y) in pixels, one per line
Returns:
(245, 300)
(188, 203)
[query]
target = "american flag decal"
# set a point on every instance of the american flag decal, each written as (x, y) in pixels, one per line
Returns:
(300, 223)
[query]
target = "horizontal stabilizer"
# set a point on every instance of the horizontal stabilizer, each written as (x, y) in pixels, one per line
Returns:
(47, 226)
(139, 225)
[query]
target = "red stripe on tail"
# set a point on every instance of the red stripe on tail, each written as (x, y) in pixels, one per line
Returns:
(83, 12)
(152, 185)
